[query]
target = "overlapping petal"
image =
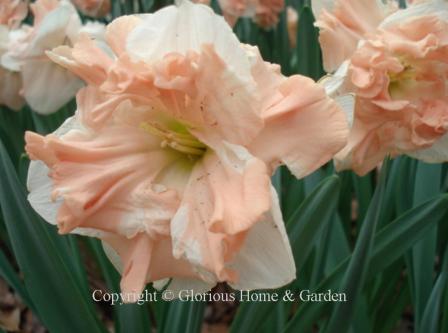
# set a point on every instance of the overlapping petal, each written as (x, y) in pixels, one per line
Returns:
(398, 73)
(12, 12)
(175, 142)
(343, 24)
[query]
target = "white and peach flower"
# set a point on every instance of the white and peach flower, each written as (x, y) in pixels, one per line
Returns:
(397, 69)
(46, 86)
(169, 156)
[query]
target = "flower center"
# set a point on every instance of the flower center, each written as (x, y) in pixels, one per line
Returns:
(401, 80)
(179, 140)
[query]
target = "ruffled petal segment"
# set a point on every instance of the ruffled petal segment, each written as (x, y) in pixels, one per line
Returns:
(184, 29)
(169, 158)
(265, 261)
(106, 178)
(143, 259)
(302, 130)
(225, 197)
(343, 24)
(86, 60)
(399, 78)
(41, 76)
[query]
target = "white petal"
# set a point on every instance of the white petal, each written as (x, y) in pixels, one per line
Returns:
(113, 257)
(184, 28)
(266, 260)
(47, 86)
(40, 187)
(318, 5)
(95, 30)
(434, 7)
(11, 53)
(4, 38)
(347, 104)
(53, 29)
(334, 83)
(437, 153)
(89, 232)
(160, 284)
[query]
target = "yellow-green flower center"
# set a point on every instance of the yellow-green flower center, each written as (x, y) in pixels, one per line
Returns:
(401, 80)
(178, 139)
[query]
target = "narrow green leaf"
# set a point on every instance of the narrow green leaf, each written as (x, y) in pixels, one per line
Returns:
(356, 273)
(146, 5)
(45, 124)
(293, 193)
(321, 254)
(431, 315)
(363, 191)
(386, 308)
(430, 318)
(339, 247)
(393, 311)
(184, 317)
(58, 298)
(427, 185)
(12, 125)
(315, 211)
(389, 245)
(444, 324)
(307, 58)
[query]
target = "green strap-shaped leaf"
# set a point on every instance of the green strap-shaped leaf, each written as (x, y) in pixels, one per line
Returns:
(431, 315)
(55, 292)
(389, 244)
(305, 224)
(430, 318)
(184, 317)
(307, 56)
(356, 273)
(427, 185)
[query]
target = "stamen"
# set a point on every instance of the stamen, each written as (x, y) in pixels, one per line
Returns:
(182, 142)
(185, 149)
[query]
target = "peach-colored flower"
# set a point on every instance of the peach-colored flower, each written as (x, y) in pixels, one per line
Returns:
(93, 8)
(343, 23)
(46, 86)
(264, 12)
(12, 12)
(398, 74)
(169, 156)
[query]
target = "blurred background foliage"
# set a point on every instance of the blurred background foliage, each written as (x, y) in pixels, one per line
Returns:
(382, 238)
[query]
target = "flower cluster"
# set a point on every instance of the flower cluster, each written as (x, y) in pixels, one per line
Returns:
(179, 126)
(169, 156)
